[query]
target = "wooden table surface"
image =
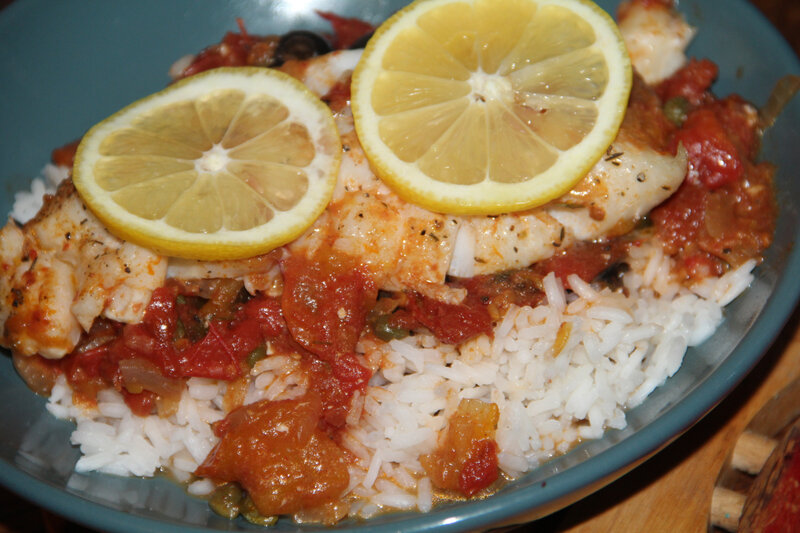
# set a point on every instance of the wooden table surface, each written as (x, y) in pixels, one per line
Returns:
(670, 493)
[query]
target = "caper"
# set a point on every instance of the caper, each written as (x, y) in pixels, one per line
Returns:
(385, 331)
(676, 109)
(180, 330)
(256, 355)
(226, 500)
(251, 514)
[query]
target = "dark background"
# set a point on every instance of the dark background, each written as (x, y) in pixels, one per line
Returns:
(18, 516)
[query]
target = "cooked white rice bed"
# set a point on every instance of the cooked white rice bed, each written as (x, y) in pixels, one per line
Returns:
(620, 348)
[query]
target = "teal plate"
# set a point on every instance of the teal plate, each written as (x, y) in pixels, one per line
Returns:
(68, 65)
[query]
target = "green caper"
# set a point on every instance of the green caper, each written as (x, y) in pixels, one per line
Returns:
(251, 514)
(180, 299)
(180, 330)
(385, 331)
(256, 355)
(226, 500)
(676, 109)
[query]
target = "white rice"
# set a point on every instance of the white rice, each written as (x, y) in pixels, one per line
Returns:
(619, 349)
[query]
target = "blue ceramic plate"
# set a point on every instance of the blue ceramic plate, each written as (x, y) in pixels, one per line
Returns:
(68, 65)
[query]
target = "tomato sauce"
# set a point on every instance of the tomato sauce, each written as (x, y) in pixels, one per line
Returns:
(277, 452)
(184, 335)
(325, 302)
(586, 260)
(171, 345)
(489, 296)
(692, 82)
(450, 323)
(64, 156)
(499, 291)
(724, 212)
(346, 31)
(220, 354)
(243, 49)
(235, 50)
(154, 351)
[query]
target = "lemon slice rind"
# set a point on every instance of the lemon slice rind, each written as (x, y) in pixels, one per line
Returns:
(285, 226)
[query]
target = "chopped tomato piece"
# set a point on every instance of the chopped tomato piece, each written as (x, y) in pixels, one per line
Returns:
(480, 469)
(326, 301)
(141, 403)
(221, 353)
(586, 260)
(713, 158)
(692, 82)
(336, 383)
(346, 31)
(450, 323)
(277, 453)
(64, 156)
(466, 459)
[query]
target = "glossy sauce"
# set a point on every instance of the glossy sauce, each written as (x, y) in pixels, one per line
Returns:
(724, 212)
(276, 451)
(325, 302)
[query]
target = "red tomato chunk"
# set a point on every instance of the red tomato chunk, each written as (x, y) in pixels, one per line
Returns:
(724, 212)
(466, 459)
(346, 31)
(326, 302)
(713, 158)
(148, 362)
(691, 82)
(277, 453)
(450, 323)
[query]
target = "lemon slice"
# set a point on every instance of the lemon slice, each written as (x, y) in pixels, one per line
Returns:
(227, 164)
(490, 106)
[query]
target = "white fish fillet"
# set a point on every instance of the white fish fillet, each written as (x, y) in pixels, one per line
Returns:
(63, 269)
(656, 37)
